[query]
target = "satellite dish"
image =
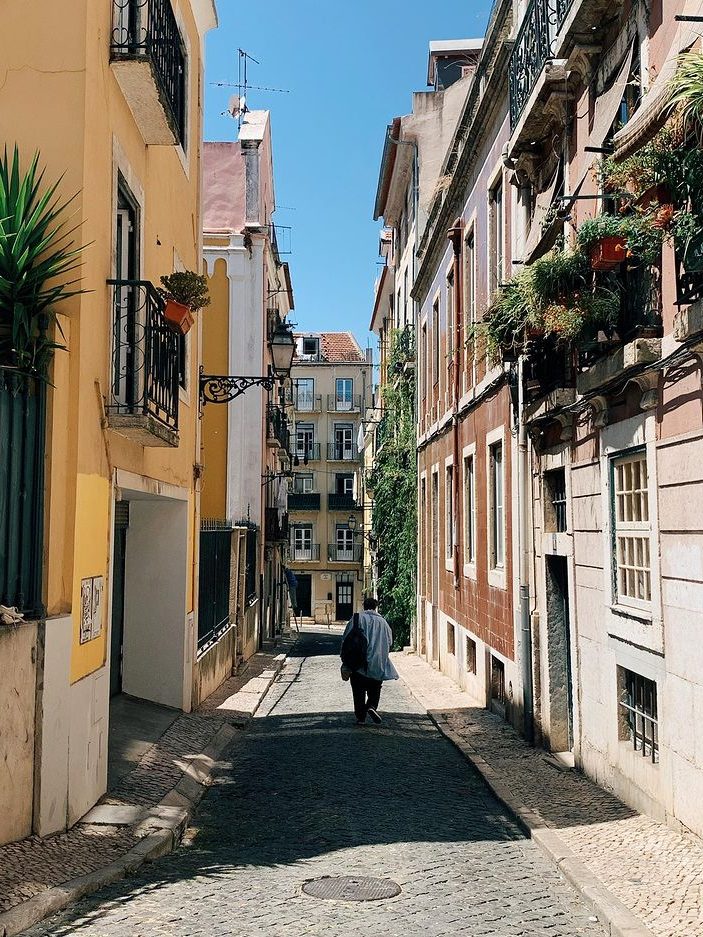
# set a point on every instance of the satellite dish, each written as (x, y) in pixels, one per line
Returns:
(237, 105)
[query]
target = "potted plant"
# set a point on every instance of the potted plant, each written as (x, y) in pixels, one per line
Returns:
(603, 238)
(37, 259)
(185, 293)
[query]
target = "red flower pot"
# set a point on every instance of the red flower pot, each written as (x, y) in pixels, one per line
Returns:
(178, 317)
(608, 253)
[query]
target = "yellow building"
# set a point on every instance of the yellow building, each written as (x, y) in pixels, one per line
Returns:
(120, 116)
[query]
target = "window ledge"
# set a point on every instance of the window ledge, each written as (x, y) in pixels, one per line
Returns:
(627, 611)
(497, 578)
(470, 571)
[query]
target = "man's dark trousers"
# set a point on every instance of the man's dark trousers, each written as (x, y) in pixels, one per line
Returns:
(367, 694)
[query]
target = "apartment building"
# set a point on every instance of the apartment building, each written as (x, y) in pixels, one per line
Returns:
(331, 388)
(107, 555)
(246, 442)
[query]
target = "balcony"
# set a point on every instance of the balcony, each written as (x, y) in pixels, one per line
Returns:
(277, 433)
(303, 501)
(342, 502)
(342, 452)
(336, 553)
(305, 554)
(337, 404)
(309, 451)
(149, 62)
(303, 402)
(143, 401)
(276, 526)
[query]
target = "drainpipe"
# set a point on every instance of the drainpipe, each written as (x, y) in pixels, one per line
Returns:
(524, 494)
(454, 234)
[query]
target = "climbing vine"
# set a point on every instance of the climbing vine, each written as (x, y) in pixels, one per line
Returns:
(393, 481)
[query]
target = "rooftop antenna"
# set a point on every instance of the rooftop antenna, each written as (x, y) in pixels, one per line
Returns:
(237, 106)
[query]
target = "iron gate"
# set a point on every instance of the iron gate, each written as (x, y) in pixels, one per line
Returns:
(22, 441)
(215, 562)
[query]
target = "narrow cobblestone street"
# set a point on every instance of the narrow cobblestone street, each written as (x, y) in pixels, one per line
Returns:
(308, 794)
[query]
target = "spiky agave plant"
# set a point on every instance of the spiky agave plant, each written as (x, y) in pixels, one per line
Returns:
(37, 258)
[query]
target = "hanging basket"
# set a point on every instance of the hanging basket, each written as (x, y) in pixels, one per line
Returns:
(178, 317)
(608, 253)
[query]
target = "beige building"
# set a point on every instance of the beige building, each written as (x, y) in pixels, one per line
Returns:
(331, 388)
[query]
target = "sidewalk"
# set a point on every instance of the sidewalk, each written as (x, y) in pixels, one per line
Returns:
(639, 875)
(143, 816)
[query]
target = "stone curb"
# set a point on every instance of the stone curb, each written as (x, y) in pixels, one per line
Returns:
(163, 829)
(620, 921)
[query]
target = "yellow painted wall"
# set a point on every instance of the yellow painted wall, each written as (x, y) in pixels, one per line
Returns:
(92, 537)
(216, 361)
(59, 95)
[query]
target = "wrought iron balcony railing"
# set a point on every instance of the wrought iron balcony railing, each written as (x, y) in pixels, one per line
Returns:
(304, 501)
(276, 526)
(308, 553)
(304, 402)
(342, 452)
(349, 404)
(145, 363)
(339, 553)
(147, 31)
(342, 502)
(277, 427)
(309, 451)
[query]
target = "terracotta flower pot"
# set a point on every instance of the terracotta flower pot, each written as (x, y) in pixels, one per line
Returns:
(608, 253)
(178, 317)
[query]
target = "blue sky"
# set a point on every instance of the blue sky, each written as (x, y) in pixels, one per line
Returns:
(349, 69)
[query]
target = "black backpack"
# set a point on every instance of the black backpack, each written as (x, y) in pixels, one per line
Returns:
(355, 647)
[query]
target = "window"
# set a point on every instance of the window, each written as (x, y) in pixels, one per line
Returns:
(405, 297)
(638, 713)
(451, 638)
(449, 512)
(302, 542)
(435, 342)
(470, 297)
(304, 440)
(305, 394)
(343, 448)
(497, 236)
(311, 346)
(345, 543)
(555, 501)
(470, 655)
(424, 362)
(632, 530)
(304, 483)
(450, 316)
(422, 527)
(344, 484)
(469, 509)
(344, 396)
(497, 681)
(496, 494)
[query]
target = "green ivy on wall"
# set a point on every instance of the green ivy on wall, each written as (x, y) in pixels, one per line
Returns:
(393, 481)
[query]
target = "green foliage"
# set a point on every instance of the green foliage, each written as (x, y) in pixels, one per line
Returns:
(394, 484)
(37, 258)
(188, 288)
(640, 230)
(686, 88)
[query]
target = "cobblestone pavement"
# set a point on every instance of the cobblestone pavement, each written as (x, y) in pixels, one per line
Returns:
(307, 794)
(33, 865)
(653, 870)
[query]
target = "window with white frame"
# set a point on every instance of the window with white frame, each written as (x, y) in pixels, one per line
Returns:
(450, 316)
(435, 342)
(305, 394)
(449, 511)
(633, 579)
(497, 499)
(497, 235)
(469, 509)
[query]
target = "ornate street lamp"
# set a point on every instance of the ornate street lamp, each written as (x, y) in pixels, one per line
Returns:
(222, 388)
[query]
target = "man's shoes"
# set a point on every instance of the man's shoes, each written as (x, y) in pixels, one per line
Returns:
(360, 722)
(374, 716)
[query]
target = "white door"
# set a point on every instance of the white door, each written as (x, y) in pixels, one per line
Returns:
(302, 543)
(345, 545)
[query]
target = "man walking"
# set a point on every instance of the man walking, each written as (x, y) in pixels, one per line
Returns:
(366, 645)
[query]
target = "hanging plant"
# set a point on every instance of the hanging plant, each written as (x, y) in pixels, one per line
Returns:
(686, 88)
(185, 293)
(37, 258)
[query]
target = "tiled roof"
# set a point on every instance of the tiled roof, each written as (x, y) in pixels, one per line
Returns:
(336, 346)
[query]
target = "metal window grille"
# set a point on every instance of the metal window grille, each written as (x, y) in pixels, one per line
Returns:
(640, 721)
(632, 528)
(556, 482)
(497, 680)
(470, 655)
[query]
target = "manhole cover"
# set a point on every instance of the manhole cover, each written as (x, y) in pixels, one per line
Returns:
(346, 888)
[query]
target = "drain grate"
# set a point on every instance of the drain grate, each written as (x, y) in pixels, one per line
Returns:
(346, 888)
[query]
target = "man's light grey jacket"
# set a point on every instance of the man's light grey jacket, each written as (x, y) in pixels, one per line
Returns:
(380, 639)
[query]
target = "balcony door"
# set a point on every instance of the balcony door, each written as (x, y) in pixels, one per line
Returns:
(344, 387)
(305, 394)
(343, 442)
(126, 300)
(302, 542)
(304, 440)
(344, 485)
(345, 544)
